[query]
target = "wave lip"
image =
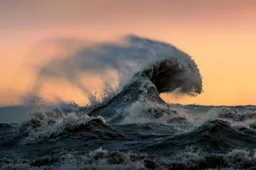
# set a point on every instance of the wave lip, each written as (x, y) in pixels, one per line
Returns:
(171, 68)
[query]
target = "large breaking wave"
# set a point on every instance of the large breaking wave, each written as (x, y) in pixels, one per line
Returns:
(116, 64)
(162, 68)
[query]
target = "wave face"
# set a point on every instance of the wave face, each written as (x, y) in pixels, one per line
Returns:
(134, 129)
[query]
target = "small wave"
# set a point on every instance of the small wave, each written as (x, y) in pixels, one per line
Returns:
(42, 126)
(235, 114)
(212, 136)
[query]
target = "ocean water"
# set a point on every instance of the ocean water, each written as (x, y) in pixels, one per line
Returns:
(135, 128)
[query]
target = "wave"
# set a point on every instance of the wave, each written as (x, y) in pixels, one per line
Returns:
(212, 136)
(51, 127)
(171, 71)
(42, 128)
(115, 63)
(236, 115)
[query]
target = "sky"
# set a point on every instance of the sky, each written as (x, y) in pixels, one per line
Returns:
(220, 35)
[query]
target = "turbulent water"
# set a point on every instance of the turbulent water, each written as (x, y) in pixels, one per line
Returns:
(136, 129)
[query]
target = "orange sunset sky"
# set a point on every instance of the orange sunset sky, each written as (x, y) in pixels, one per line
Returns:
(220, 35)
